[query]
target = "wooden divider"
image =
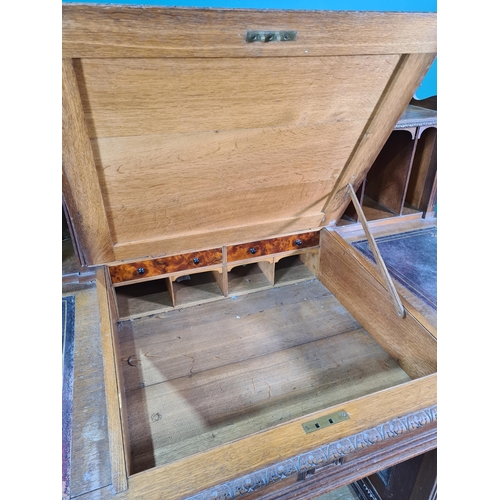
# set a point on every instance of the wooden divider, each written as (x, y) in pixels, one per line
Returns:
(366, 298)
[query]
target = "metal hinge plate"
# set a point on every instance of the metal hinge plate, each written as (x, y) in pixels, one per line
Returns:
(326, 421)
(271, 36)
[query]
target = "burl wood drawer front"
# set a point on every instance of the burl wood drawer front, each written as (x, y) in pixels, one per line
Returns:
(272, 246)
(157, 267)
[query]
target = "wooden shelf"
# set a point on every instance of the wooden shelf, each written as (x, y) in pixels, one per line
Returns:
(292, 269)
(179, 290)
(196, 288)
(402, 179)
(142, 299)
(250, 277)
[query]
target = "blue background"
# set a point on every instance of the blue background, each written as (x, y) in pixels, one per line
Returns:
(428, 86)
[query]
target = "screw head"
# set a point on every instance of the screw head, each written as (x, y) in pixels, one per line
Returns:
(141, 270)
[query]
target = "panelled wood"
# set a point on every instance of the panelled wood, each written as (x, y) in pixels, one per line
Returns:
(378, 257)
(80, 184)
(192, 179)
(193, 241)
(403, 83)
(199, 140)
(331, 477)
(90, 463)
(405, 339)
(141, 97)
(109, 31)
(272, 246)
(264, 448)
(387, 180)
(274, 389)
(117, 441)
(150, 268)
(246, 327)
(144, 298)
(423, 175)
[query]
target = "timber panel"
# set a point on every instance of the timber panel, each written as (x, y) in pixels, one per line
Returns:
(272, 246)
(156, 267)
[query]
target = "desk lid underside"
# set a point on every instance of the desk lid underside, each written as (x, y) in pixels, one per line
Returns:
(178, 135)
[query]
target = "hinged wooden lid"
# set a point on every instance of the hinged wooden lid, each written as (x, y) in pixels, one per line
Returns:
(180, 133)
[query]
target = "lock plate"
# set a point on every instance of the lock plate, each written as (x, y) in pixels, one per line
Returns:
(326, 421)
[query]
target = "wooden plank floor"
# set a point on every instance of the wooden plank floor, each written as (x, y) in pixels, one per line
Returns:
(200, 377)
(90, 471)
(90, 474)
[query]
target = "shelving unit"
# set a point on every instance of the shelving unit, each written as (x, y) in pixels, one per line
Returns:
(197, 288)
(139, 299)
(187, 288)
(402, 182)
(250, 277)
(294, 268)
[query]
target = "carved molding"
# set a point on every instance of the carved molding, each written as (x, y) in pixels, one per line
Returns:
(331, 454)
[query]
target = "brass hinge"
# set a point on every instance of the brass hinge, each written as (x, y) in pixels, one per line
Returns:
(271, 36)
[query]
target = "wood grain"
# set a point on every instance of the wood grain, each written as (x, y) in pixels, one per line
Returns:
(411, 345)
(109, 31)
(186, 182)
(176, 345)
(387, 179)
(143, 299)
(113, 396)
(400, 88)
(80, 182)
(205, 410)
(193, 241)
(378, 257)
(130, 97)
(264, 448)
(91, 467)
(272, 246)
(424, 171)
(156, 267)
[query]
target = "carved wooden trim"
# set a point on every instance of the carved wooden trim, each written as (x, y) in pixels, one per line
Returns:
(331, 454)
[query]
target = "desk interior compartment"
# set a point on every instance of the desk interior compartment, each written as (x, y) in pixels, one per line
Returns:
(197, 159)
(143, 298)
(206, 376)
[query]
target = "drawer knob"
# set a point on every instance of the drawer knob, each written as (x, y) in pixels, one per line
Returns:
(196, 260)
(141, 270)
(298, 242)
(253, 250)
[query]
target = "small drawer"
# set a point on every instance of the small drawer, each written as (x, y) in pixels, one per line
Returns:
(156, 267)
(272, 246)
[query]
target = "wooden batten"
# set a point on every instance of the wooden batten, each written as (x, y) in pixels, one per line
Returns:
(115, 394)
(110, 31)
(81, 189)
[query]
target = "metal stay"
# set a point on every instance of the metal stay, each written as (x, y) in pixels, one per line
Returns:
(378, 257)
